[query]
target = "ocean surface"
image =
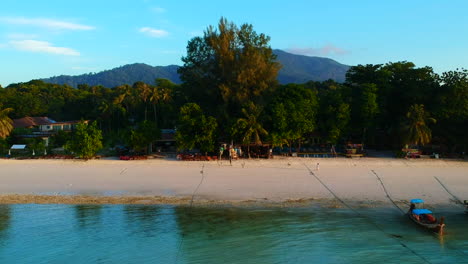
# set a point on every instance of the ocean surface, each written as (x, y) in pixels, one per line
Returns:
(31, 233)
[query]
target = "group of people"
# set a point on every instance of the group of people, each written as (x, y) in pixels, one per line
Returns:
(233, 152)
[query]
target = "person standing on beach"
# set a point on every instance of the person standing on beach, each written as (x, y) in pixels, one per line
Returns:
(221, 150)
(318, 166)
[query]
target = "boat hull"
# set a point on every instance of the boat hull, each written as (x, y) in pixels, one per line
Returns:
(434, 227)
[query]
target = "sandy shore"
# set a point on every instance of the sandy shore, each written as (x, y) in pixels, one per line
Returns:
(282, 181)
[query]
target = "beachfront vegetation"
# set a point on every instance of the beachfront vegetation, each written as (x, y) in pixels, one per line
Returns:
(230, 94)
(85, 141)
(6, 124)
(416, 126)
(195, 130)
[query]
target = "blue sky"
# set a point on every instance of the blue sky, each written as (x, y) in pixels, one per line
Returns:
(40, 39)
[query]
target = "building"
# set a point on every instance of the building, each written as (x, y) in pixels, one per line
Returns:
(43, 127)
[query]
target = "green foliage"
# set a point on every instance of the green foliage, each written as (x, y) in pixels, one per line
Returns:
(334, 112)
(452, 110)
(248, 128)
(6, 124)
(4, 146)
(145, 134)
(293, 113)
(195, 130)
(416, 127)
(86, 140)
(60, 139)
(36, 144)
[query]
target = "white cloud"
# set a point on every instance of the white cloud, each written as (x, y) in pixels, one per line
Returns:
(42, 47)
(158, 9)
(45, 23)
(21, 36)
(152, 32)
(326, 50)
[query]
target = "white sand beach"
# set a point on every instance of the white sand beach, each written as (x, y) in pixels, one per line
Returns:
(278, 180)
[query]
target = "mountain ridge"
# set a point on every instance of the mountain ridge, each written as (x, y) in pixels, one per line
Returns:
(295, 69)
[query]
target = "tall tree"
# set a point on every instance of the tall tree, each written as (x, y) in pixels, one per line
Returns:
(248, 128)
(228, 67)
(143, 91)
(161, 93)
(6, 124)
(364, 108)
(452, 111)
(334, 112)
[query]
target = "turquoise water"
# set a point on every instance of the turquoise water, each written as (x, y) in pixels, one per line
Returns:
(169, 234)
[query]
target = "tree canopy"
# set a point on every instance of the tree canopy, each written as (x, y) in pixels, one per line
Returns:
(195, 130)
(85, 141)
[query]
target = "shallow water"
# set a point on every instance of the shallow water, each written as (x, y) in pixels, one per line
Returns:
(168, 234)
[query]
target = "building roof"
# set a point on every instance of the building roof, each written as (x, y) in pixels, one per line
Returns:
(28, 121)
(18, 147)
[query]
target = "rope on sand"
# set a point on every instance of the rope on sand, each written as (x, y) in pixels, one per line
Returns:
(386, 192)
(458, 201)
(363, 216)
(202, 172)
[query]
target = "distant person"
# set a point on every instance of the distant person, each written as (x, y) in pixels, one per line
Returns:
(317, 167)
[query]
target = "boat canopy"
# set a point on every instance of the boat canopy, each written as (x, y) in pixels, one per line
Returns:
(416, 201)
(421, 211)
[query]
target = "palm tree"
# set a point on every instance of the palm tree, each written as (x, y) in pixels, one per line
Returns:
(6, 124)
(143, 91)
(249, 127)
(159, 94)
(126, 98)
(416, 127)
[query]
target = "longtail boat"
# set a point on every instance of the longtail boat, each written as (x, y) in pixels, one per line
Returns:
(424, 217)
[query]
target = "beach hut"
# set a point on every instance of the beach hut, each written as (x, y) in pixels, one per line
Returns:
(17, 148)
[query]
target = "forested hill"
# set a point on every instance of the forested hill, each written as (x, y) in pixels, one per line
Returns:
(127, 74)
(301, 69)
(296, 69)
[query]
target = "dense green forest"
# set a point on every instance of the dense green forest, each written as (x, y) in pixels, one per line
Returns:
(230, 92)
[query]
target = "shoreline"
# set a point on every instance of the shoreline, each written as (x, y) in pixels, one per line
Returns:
(186, 201)
(279, 182)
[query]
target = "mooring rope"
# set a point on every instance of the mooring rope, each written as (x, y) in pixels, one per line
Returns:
(458, 201)
(202, 172)
(366, 218)
(386, 192)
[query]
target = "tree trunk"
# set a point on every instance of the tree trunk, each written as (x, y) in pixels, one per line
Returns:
(146, 111)
(155, 115)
